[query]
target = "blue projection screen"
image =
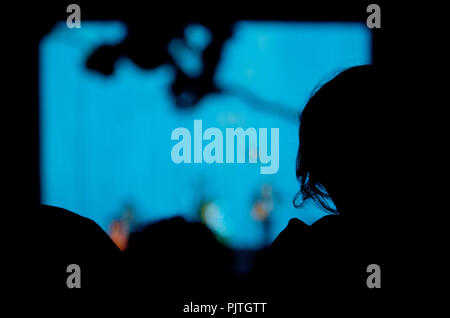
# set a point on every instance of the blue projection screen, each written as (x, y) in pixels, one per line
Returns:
(105, 141)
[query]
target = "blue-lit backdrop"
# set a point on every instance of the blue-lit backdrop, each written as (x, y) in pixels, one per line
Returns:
(105, 141)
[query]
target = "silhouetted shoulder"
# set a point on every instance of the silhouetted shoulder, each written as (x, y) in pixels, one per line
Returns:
(327, 222)
(292, 231)
(297, 232)
(61, 238)
(64, 217)
(73, 230)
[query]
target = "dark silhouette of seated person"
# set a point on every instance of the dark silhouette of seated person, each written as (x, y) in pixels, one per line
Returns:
(175, 261)
(60, 238)
(345, 165)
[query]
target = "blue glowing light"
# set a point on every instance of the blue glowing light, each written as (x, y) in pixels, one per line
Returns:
(105, 141)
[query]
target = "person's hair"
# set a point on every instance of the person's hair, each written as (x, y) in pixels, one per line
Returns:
(329, 125)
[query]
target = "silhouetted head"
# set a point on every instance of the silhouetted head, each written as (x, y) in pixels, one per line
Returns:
(345, 141)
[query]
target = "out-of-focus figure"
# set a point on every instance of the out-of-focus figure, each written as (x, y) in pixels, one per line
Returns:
(119, 230)
(262, 208)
